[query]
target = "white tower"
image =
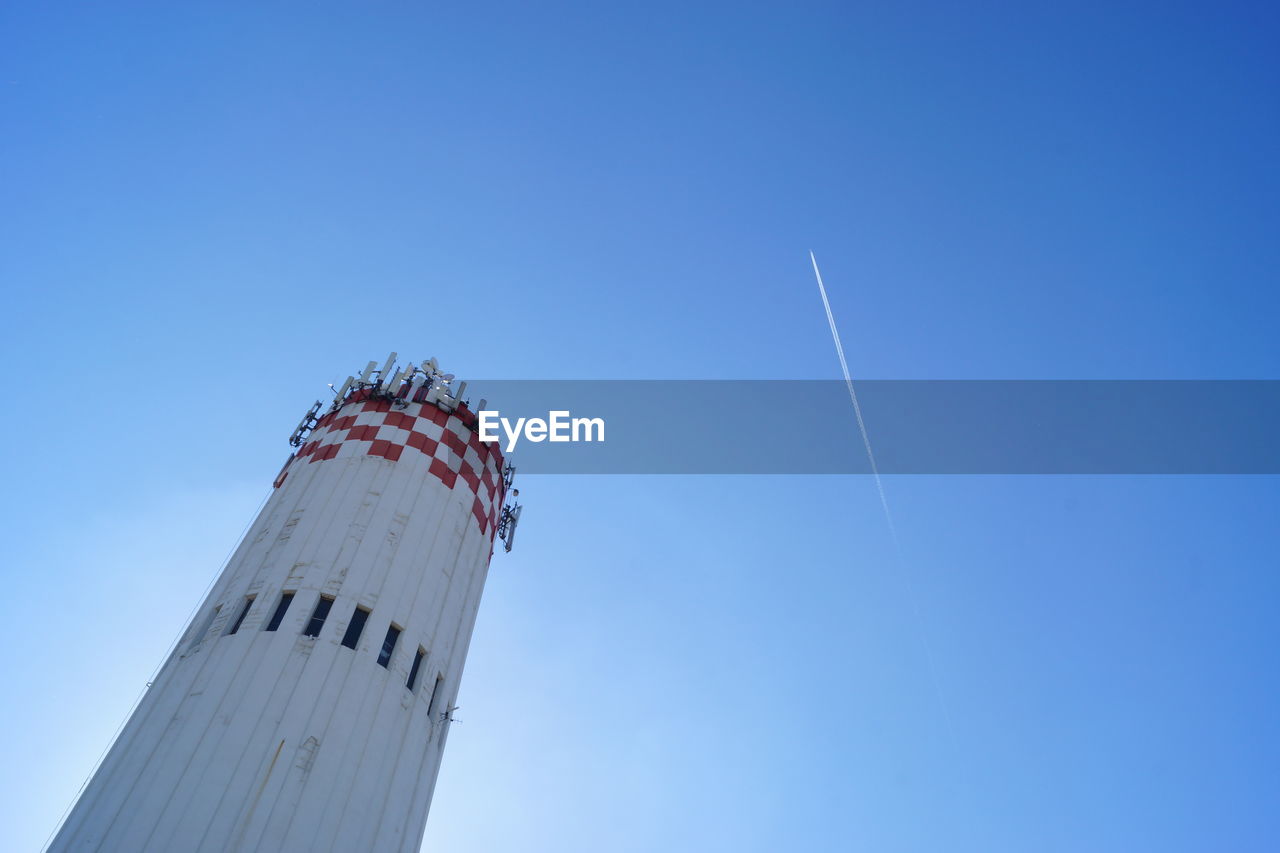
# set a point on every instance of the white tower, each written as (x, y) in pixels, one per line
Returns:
(306, 706)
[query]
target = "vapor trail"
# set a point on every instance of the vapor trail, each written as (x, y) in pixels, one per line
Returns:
(857, 410)
(888, 516)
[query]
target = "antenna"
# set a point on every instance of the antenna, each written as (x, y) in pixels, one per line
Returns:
(386, 368)
(341, 393)
(305, 426)
(390, 382)
(368, 369)
(507, 525)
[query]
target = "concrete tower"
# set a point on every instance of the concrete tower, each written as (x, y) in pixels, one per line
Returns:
(306, 706)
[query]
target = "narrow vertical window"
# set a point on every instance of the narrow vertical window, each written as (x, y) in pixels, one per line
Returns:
(286, 598)
(388, 646)
(318, 616)
(435, 696)
(355, 628)
(413, 670)
(204, 628)
(244, 611)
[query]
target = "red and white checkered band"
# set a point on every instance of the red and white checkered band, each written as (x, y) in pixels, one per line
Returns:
(372, 426)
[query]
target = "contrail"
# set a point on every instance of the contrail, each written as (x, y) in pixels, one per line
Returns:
(888, 516)
(857, 410)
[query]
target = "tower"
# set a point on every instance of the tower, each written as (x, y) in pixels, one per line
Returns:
(306, 706)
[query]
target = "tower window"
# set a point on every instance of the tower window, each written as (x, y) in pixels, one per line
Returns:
(388, 646)
(286, 598)
(318, 616)
(355, 628)
(244, 611)
(435, 696)
(413, 670)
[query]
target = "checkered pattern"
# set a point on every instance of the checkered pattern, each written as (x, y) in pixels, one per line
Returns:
(371, 426)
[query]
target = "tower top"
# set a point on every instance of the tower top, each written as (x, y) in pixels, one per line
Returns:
(401, 398)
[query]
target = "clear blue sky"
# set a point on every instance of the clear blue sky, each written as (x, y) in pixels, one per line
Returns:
(211, 210)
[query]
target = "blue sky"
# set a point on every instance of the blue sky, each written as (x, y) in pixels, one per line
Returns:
(212, 210)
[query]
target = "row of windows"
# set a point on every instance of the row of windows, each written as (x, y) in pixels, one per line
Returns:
(350, 639)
